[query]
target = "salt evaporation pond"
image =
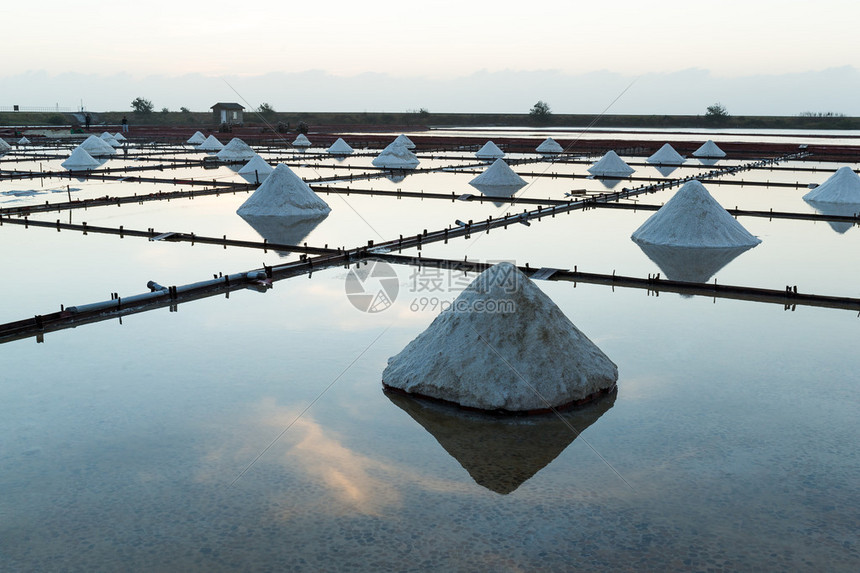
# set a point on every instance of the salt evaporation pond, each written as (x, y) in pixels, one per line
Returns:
(730, 445)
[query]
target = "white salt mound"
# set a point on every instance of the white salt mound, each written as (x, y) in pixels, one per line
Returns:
(395, 156)
(119, 137)
(529, 359)
(97, 147)
(80, 160)
(692, 218)
(284, 193)
(4, 147)
(841, 187)
(610, 165)
(489, 151)
(110, 140)
(710, 150)
(257, 165)
(549, 145)
(23, 141)
(236, 150)
(666, 155)
(211, 144)
(196, 139)
(404, 141)
(340, 147)
(301, 141)
(499, 174)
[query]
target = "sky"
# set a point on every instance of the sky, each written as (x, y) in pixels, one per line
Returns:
(755, 57)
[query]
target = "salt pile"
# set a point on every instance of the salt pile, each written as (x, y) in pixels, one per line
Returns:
(4, 147)
(211, 144)
(80, 160)
(119, 137)
(489, 151)
(549, 145)
(196, 139)
(284, 193)
(666, 155)
(610, 165)
(256, 169)
(96, 146)
(110, 139)
(709, 150)
(340, 147)
(301, 141)
(499, 174)
(236, 150)
(23, 141)
(692, 218)
(841, 187)
(395, 156)
(404, 141)
(531, 358)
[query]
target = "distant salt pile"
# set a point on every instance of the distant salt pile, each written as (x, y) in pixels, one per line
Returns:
(340, 147)
(692, 218)
(489, 151)
(110, 139)
(256, 169)
(210, 144)
(23, 141)
(301, 141)
(80, 160)
(236, 150)
(97, 147)
(709, 150)
(395, 156)
(119, 137)
(404, 141)
(196, 139)
(532, 358)
(283, 193)
(4, 147)
(499, 174)
(841, 187)
(666, 155)
(610, 165)
(549, 145)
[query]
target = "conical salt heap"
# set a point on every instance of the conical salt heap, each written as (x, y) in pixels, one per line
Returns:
(110, 139)
(404, 141)
(692, 218)
(236, 150)
(666, 155)
(709, 150)
(395, 156)
(97, 146)
(499, 174)
(4, 147)
(256, 168)
(211, 143)
(196, 139)
(841, 187)
(531, 358)
(340, 147)
(80, 160)
(549, 145)
(610, 165)
(23, 141)
(283, 193)
(119, 137)
(301, 141)
(489, 151)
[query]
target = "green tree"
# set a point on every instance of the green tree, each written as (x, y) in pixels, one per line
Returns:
(540, 111)
(184, 109)
(266, 110)
(141, 105)
(165, 111)
(717, 112)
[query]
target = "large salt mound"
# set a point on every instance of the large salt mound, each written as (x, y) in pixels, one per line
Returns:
(97, 147)
(549, 145)
(532, 358)
(499, 174)
(211, 144)
(666, 155)
(4, 147)
(301, 141)
(841, 187)
(110, 139)
(196, 139)
(340, 147)
(255, 169)
(709, 150)
(692, 218)
(119, 137)
(404, 141)
(284, 193)
(489, 151)
(80, 160)
(395, 156)
(236, 150)
(610, 165)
